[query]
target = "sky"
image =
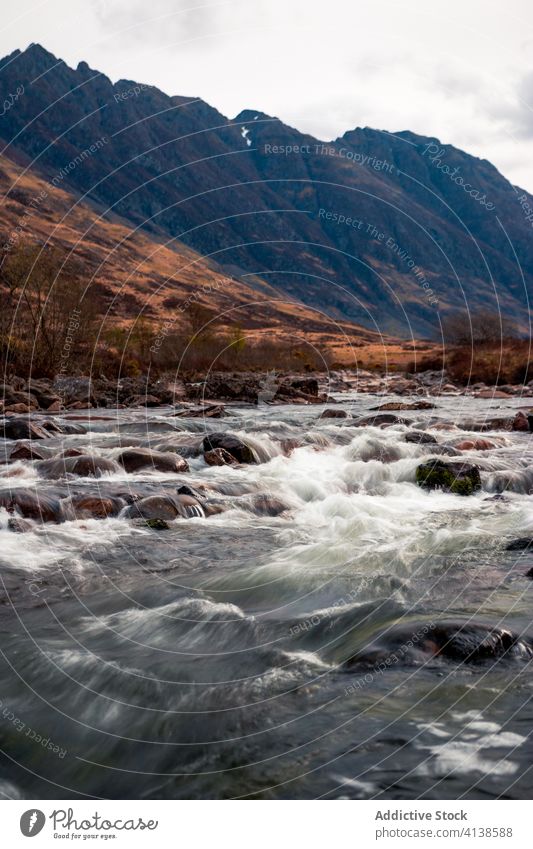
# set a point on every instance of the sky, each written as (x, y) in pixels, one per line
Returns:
(461, 71)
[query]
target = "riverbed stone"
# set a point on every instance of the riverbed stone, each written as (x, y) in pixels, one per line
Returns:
(455, 477)
(22, 429)
(86, 465)
(238, 449)
(134, 459)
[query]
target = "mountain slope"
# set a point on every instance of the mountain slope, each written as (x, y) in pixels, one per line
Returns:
(373, 227)
(136, 275)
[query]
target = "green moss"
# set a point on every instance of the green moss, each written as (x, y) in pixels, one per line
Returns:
(157, 524)
(460, 479)
(462, 486)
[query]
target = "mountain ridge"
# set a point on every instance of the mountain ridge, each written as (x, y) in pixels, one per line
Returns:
(262, 199)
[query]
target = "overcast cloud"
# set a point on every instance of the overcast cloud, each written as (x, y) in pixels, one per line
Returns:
(460, 71)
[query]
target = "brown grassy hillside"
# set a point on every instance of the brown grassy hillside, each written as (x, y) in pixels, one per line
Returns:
(140, 279)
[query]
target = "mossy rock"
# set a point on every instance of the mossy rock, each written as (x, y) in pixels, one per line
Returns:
(157, 524)
(458, 478)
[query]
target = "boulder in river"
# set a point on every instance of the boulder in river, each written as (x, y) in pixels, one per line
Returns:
(238, 449)
(467, 642)
(30, 505)
(458, 478)
(379, 420)
(96, 506)
(26, 452)
(134, 459)
(520, 544)
(71, 452)
(153, 507)
(157, 524)
(22, 429)
(475, 642)
(265, 504)
(86, 465)
(210, 411)
(420, 437)
(219, 457)
(330, 413)
(475, 445)
(406, 405)
(520, 422)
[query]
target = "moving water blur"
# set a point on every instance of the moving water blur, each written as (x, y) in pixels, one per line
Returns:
(207, 660)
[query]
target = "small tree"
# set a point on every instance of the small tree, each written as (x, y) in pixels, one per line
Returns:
(48, 315)
(479, 328)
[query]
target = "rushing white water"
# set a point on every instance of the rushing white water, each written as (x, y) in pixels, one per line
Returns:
(207, 659)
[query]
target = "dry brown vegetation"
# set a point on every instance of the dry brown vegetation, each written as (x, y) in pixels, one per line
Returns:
(145, 303)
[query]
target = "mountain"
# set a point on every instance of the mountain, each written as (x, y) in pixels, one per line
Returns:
(388, 230)
(136, 275)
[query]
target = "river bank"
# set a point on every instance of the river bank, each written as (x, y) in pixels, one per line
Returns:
(19, 395)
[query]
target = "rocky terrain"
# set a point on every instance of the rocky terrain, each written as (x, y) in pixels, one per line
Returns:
(201, 395)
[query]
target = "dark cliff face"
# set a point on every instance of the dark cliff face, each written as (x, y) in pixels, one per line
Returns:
(388, 230)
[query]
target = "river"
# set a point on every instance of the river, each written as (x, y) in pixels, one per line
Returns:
(206, 660)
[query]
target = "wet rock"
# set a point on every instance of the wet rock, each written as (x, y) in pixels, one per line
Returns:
(95, 506)
(499, 423)
(13, 397)
(238, 387)
(520, 544)
(75, 391)
(219, 457)
(86, 465)
(153, 507)
(492, 393)
(420, 437)
(529, 573)
(185, 489)
(406, 405)
(30, 505)
(42, 391)
(21, 429)
(520, 422)
(51, 426)
(333, 414)
(18, 526)
(212, 411)
(17, 408)
(71, 452)
(26, 452)
(307, 385)
(66, 428)
(265, 504)
(190, 448)
(468, 643)
(238, 449)
(157, 524)
(476, 642)
(189, 507)
(379, 420)
(443, 426)
(290, 445)
(475, 445)
(134, 459)
(458, 478)
(254, 388)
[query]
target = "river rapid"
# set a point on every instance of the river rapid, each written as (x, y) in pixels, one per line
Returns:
(207, 660)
